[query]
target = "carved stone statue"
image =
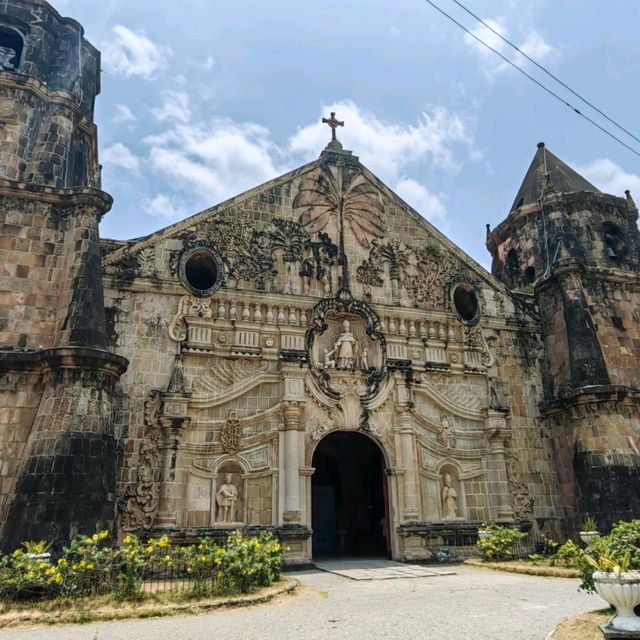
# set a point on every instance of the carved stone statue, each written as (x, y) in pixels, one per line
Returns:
(345, 347)
(447, 437)
(364, 359)
(6, 56)
(226, 498)
(449, 500)
(329, 362)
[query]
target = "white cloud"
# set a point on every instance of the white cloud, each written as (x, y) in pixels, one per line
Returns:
(211, 159)
(175, 107)
(388, 148)
(217, 159)
(532, 44)
(610, 177)
(423, 201)
(209, 63)
(131, 53)
(165, 206)
(118, 155)
(123, 114)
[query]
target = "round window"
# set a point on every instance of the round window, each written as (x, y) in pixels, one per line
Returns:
(466, 303)
(201, 270)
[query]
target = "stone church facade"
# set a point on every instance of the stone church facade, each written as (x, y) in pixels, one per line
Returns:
(310, 357)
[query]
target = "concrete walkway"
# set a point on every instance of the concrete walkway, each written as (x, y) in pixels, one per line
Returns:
(473, 604)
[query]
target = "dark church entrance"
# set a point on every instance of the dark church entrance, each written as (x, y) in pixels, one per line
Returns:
(350, 512)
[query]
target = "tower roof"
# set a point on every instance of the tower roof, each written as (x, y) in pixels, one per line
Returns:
(561, 178)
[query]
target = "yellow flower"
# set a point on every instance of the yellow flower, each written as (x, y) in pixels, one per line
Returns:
(163, 542)
(128, 539)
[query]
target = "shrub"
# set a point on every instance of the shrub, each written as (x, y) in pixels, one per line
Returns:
(248, 562)
(24, 576)
(620, 547)
(499, 543)
(569, 555)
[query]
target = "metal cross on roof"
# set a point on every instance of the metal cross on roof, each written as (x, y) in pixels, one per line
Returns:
(334, 124)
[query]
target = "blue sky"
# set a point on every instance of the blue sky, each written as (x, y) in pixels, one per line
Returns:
(202, 99)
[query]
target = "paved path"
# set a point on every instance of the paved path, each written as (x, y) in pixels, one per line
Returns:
(473, 604)
(380, 569)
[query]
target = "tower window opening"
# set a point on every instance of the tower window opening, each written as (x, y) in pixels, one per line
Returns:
(613, 242)
(513, 267)
(11, 48)
(529, 275)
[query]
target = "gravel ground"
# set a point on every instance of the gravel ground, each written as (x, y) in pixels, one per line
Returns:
(474, 604)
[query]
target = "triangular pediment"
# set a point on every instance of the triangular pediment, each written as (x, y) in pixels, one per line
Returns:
(289, 236)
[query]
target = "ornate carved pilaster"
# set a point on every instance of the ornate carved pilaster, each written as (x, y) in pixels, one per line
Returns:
(173, 420)
(408, 461)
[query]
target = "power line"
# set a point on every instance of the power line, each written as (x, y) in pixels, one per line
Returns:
(542, 68)
(534, 80)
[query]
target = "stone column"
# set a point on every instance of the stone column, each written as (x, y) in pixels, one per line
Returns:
(292, 411)
(497, 432)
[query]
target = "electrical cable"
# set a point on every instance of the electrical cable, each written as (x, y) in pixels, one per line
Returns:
(534, 80)
(542, 68)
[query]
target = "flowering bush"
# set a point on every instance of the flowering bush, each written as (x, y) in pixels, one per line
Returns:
(90, 566)
(248, 562)
(499, 543)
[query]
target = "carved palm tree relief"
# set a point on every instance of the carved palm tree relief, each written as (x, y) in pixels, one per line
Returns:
(341, 192)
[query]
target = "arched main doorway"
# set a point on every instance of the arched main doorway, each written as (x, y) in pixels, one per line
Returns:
(350, 512)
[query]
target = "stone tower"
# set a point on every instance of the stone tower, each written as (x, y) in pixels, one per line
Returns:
(57, 443)
(576, 250)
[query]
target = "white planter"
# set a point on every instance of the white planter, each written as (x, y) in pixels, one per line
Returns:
(484, 535)
(588, 536)
(623, 593)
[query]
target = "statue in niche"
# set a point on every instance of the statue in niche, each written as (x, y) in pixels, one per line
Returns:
(364, 358)
(329, 362)
(449, 500)
(345, 347)
(7, 54)
(226, 499)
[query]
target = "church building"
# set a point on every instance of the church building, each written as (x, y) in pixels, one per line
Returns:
(310, 357)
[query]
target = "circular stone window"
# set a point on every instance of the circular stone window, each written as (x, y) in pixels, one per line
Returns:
(466, 303)
(201, 270)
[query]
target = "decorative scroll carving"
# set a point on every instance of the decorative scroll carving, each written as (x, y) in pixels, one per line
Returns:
(434, 270)
(521, 501)
(139, 502)
(188, 306)
(231, 434)
(325, 194)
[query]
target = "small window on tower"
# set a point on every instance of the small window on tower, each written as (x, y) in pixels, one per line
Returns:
(529, 275)
(513, 266)
(12, 44)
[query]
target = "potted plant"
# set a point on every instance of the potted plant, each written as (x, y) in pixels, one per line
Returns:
(619, 585)
(588, 530)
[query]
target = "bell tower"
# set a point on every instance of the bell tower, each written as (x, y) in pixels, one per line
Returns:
(56, 377)
(575, 251)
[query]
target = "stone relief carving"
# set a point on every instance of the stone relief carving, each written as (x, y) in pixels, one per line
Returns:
(334, 191)
(226, 499)
(324, 256)
(290, 239)
(231, 434)
(521, 501)
(139, 502)
(446, 437)
(188, 306)
(434, 270)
